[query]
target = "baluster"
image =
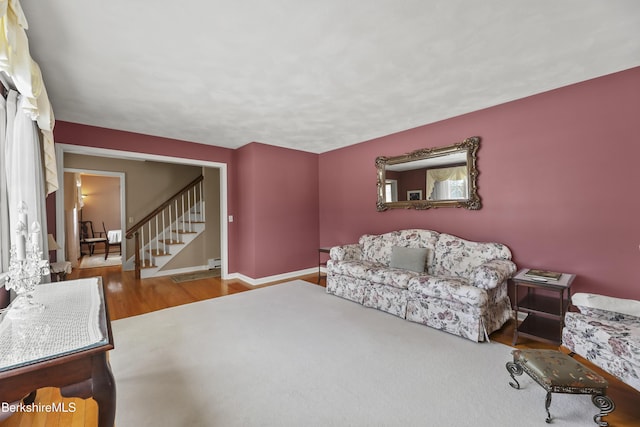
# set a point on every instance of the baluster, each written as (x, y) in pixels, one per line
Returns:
(201, 203)
(136, 262)
(189, 207)
(150, 254)
(157, 237)
(183, 225)
(144, 259)
(170, 225)
(164, 234)
(177, 223)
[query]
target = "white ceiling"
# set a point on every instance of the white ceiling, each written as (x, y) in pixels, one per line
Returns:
(314, 75)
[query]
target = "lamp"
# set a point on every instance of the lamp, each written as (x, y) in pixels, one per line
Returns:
(53, 245)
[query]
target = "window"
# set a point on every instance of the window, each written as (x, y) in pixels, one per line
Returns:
(449, 190)
(449, 183)
(391, 190)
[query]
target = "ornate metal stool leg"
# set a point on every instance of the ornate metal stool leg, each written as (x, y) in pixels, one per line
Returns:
(514, 369)
(606, 406)
(547, 403)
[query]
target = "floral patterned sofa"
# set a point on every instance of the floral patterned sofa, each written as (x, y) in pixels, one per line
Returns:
(606, 332)
(459, 286)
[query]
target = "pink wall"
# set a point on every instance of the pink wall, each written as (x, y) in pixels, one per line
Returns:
(557, 180)
(556, 171)
(278, 210)
(246, 159)
(273, 195)
(412, 180)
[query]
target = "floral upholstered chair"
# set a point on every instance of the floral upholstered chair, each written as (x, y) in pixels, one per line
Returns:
(606, 332)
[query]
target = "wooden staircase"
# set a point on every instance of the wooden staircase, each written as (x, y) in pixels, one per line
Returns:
(167, 230)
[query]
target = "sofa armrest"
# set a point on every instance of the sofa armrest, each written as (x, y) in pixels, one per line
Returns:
(605, 307)
(352, 252)
(492, 273)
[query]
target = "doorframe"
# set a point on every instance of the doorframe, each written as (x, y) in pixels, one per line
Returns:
(61, 149)
(123, 207)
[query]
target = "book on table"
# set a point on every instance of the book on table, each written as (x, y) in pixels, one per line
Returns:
(543, 274)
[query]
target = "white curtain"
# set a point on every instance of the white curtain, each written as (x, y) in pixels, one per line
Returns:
(454, 173)
(27, 165)
(24, 168)
(4, 203)
(25, 77)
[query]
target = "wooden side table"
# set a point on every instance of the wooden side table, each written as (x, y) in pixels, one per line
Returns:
(324, 250)
(545, 313)
(60, 269)
(63, 346)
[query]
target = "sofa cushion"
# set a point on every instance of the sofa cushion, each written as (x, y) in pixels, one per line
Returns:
(413, 259)
(395, 277)
(378, 248)
(448, 288)
(458, 257)
(355, 269)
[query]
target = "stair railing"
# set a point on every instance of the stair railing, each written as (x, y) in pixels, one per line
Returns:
(150, 233)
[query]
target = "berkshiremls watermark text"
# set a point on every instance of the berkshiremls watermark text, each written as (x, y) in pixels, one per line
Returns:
(39, 407)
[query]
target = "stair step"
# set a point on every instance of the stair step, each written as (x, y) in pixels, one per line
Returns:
(171, 242)
(160, 249)
(192, 222)
(158, 252)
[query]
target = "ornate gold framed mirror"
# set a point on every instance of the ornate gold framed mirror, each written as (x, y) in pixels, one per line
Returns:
(430, 178)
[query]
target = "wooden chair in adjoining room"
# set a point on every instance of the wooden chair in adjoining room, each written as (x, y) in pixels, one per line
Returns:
(88, 237)
(114, 237)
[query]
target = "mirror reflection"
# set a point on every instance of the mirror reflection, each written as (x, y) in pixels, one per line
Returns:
(430, 177)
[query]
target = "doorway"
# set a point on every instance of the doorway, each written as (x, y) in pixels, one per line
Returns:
(221, 184)
(94, 208)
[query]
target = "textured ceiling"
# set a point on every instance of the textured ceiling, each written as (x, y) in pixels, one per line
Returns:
(314, 75)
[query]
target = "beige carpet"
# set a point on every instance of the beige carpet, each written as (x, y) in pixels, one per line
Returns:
(292, 355)
(97, 260)
(187, 277)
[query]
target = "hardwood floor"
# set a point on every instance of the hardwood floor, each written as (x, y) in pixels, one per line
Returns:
(127, 297)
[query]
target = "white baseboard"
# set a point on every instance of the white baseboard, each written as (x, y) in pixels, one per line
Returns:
(249, 280)
(262, 280)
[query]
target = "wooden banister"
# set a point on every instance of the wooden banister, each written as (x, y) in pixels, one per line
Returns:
(135, 230)
(156, 211)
